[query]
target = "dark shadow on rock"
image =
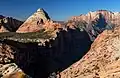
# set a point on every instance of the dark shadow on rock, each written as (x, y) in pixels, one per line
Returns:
(101, 22)
(40, 61)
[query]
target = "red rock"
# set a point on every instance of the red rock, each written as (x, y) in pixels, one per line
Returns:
(16, 75)
(113, 17)
(102, 60)
(6, 53)
(35, 22)
(51, 25)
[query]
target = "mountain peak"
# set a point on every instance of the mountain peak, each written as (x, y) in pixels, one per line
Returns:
(40, 10)
(39, 14)
(35, 21)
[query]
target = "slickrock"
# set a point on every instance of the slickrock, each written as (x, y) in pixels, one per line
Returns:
(35, 22)
(7, 69)
(7, 57)
(52, 50)
(51, 25)
(102, 61)
(43, 60)
(18, 74)
(6, 53)
(39, 20)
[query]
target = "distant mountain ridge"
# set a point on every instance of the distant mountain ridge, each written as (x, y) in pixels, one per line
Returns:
(9, 24)
(112, 17)
(97, 21)
(101, 61)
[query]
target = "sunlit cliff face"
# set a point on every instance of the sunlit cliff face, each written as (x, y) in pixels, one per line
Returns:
(112, 17)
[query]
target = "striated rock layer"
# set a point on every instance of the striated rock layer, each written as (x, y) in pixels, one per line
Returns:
(102, 61)
(35, 22)
(7, 57)
(96, 22)
(40, 55)
(39, 20)
(112, 17)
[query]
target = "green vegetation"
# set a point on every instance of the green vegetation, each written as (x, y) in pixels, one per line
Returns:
(26, 37)
(81, 25)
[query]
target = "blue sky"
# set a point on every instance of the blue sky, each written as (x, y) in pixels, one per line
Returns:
(57, 9)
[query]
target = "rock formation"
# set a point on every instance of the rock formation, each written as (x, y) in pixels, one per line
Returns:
(9, 24)
(51, 25)
(41, 59)
(102, 60)
(112, 17)
(39, 20)
(7, 67)
(96, 22)
(35, 22)
(43, 55)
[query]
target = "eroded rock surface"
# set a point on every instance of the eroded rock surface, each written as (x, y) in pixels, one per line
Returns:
(9, 24)
(41, 59)
(7, 58)
(57, 47)
(35, 22)
(96, 22)
(102, 61)
(109, 16)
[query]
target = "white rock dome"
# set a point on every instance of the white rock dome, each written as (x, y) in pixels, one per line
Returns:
(40, 9)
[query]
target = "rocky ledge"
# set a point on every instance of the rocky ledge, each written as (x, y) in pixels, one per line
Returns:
(42, 59)
(101, 61)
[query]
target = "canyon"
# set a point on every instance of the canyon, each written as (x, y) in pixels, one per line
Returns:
(84, 46)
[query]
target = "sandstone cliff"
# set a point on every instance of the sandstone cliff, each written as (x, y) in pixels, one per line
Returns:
(96, 22)
(42, 54)
(39, 55)
(102, 60)
(109, 16)
(35, 22)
